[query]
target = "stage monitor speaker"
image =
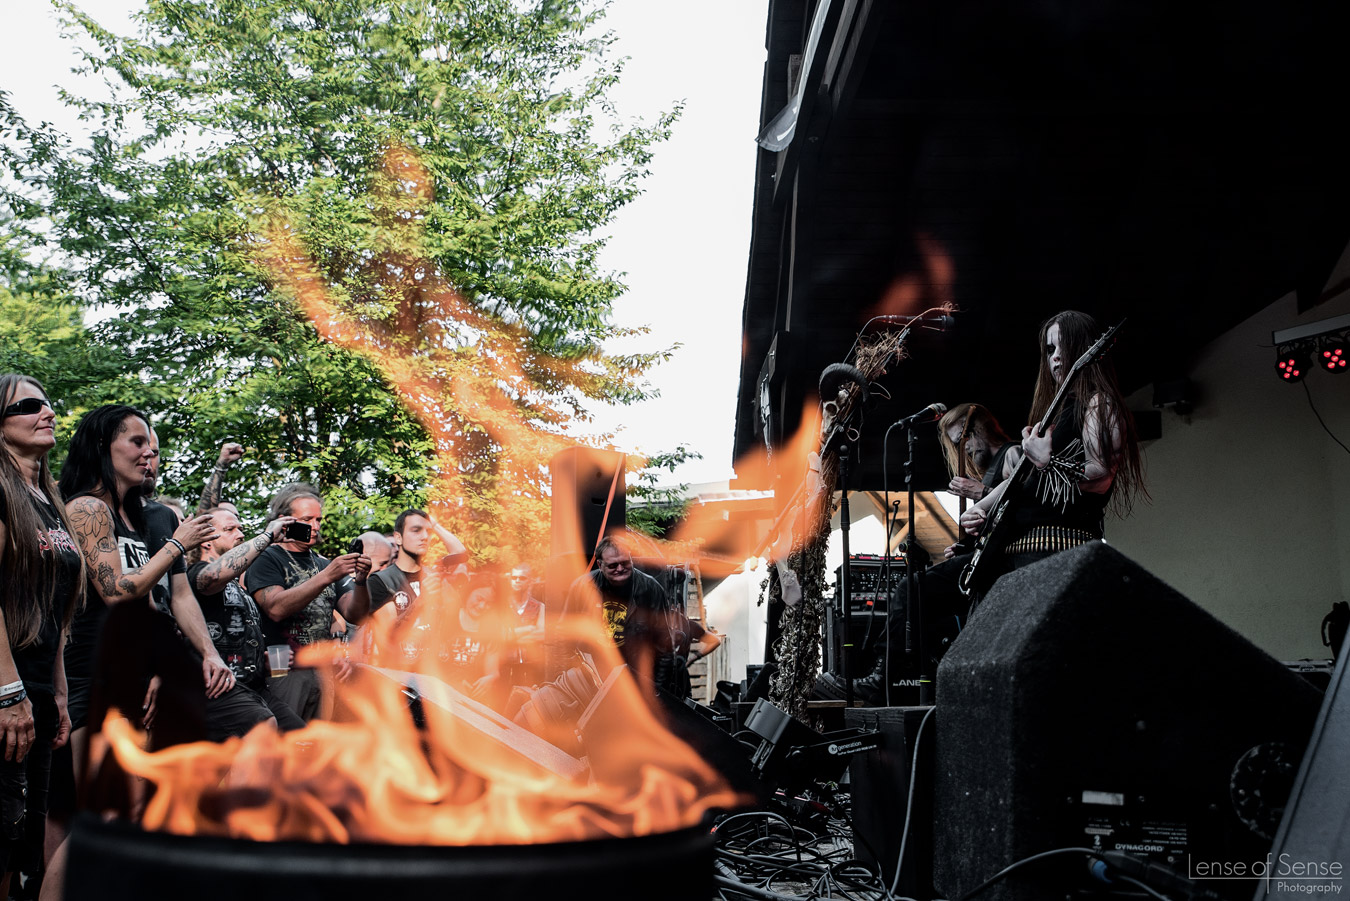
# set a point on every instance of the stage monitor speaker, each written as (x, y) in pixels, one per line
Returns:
(1314, 835)
(588, 498)
(1089, 704)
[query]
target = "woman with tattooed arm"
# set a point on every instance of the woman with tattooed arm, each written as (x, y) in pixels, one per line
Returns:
(103, 479)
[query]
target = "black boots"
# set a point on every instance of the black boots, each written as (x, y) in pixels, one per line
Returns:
(869, 689)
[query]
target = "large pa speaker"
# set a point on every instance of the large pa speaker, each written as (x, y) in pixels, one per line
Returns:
(588, 498)
(1087, 704)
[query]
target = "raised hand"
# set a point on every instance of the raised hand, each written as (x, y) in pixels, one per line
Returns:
(196, 531)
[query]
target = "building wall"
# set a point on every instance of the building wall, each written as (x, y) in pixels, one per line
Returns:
(1249, 514)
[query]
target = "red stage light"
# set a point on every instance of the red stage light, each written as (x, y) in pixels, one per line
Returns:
(1293, 363)
(1333, 353)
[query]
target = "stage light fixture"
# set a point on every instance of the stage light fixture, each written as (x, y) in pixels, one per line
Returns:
(1294, 362)
(1332, 353)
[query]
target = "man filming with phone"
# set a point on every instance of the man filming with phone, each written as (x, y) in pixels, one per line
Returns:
(298, 589)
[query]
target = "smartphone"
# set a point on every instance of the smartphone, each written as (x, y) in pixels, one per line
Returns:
(299, 531)
(356, 547)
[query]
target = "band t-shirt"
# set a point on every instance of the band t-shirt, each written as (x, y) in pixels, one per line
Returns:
(160, 524)
(279, 566)
(36, 662)
(393, 584)
(640, 619)
(133, 549)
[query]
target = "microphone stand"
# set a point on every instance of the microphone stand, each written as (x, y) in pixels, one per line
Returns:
(844, 586)
(913, 604)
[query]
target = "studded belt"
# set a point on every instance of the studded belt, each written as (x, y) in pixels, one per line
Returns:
(1049, 538)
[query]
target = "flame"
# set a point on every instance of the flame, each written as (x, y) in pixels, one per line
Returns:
(469, 776)
(584, 757)
(909, 293)
(786, 470)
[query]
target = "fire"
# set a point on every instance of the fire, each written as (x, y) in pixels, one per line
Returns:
(786, 470)
(460, 762)
(910, 293)
(467, 776)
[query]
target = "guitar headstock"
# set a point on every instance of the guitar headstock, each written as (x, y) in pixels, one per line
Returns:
(1100, 348)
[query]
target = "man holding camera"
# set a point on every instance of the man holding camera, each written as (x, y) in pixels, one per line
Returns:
(298, 589)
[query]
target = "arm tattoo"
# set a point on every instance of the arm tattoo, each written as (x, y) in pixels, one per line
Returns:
(93, 527)
(211, 492)
(103, 573)
(235, 561)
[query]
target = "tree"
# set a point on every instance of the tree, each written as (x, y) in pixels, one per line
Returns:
(358, 236)
(42, 330)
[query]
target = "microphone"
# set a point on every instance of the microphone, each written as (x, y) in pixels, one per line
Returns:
(930, 412)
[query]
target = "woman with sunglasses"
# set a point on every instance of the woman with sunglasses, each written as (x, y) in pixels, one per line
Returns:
(41, 583)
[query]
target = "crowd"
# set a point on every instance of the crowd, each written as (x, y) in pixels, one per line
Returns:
(186, 624)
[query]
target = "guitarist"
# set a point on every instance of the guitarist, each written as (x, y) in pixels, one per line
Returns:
(1085, 461)
(979, 455)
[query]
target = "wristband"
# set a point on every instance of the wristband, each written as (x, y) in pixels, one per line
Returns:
(16, 699)
(182, 551)
(16, 685)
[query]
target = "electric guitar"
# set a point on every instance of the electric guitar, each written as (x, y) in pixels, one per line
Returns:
(996, 532)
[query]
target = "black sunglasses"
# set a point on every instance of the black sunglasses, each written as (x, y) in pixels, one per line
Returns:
(27, 406)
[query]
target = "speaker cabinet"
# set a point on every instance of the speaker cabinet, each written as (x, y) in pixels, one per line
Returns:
(1089, 704)
(588, 498)
(879, 784)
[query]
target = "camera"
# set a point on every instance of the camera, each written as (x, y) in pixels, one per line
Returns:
(299, 531)
(356, 547)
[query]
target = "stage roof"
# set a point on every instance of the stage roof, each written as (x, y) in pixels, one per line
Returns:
(1171, 164)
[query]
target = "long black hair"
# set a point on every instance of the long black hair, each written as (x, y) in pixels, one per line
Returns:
(1077, 332)
(88, 468)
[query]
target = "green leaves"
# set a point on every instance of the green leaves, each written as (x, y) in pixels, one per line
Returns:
(357, 236)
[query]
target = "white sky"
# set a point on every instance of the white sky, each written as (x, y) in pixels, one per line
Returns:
(684, 244)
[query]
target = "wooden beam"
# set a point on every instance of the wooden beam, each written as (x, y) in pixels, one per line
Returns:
(898, 538)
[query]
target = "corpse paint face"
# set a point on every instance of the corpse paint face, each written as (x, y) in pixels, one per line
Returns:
(1053, 355)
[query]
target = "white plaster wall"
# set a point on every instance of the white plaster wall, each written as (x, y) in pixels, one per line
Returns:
(1249, 503)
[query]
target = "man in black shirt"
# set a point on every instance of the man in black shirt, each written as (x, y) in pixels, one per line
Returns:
(235, 627)
(173, 596)
(653, 634)
(298, 590)
(401, 582)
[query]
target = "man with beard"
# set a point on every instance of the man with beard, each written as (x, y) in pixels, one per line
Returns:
(235, 627)
(298, 590)
(654, 636)
(401, 583)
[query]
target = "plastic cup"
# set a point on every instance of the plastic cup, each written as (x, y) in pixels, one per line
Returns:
(279, 658)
